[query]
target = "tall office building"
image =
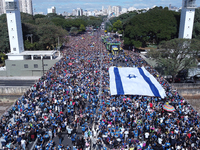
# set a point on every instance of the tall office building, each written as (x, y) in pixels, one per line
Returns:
(26, 6)
(79, 12)
(187, 19)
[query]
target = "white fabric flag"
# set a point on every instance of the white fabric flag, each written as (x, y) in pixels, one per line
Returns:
(134, 81)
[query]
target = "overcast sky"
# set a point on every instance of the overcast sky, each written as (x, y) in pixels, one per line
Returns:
(69, 5)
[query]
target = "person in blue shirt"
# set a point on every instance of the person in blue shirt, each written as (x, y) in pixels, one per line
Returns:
(73, 138)
(68, 147)
(135, 132)
(167, 144)
(60, 147)
(46, 137)
(60, 137)
(19, 138)
(83, 128)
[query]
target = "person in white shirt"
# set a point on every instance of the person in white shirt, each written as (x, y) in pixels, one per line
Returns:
(23, 144)
(160, 140)
(146, 135)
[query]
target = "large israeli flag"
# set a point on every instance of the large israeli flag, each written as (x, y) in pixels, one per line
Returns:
(134, 81)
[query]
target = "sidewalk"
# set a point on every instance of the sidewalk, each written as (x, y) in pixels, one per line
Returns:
(21, 78)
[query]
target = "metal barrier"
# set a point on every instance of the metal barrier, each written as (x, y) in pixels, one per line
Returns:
(34, 144)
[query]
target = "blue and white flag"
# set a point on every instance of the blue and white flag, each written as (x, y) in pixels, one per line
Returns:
(134, 81)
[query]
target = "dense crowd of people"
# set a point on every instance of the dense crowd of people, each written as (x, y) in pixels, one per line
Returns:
(66, 109)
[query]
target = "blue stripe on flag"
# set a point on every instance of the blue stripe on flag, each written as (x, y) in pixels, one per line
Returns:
(152, 86)
(118, 81)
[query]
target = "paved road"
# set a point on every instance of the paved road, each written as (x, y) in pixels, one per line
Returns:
(16, 82)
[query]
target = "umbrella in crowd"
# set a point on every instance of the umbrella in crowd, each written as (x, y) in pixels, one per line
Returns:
(168, 107)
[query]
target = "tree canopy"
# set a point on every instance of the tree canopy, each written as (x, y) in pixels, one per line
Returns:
(176, 55)
(196, 29)
(46, 29)
(117, 26)
(74, 31)
(153, 26)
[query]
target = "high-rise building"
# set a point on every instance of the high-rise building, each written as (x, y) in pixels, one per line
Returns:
(118, 10)
(51, 10)
(26, 6)
(114, 9)
(74, 12)
(2, 7)
(79, 12)
(102, 8)
(109, 10)
(187, 19)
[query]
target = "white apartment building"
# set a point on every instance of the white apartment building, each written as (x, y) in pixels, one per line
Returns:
(2, 7)
(131, 9)
(109, 11)
(65, 13)
(124, 10)
(74, 11)
(38, 13)
(88, 13)
(118, 10)
(51, 10)
(25, 6)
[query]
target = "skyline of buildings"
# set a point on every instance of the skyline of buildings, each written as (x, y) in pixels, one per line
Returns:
(112, 11)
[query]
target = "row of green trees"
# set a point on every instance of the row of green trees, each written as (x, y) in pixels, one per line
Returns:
(153, 26)
(45, 30)
(143, 28)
